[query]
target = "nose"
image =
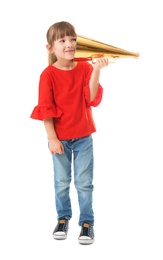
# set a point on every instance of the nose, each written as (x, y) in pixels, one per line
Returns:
(69, 44)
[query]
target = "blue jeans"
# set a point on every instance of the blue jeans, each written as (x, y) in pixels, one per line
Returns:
(78, 153)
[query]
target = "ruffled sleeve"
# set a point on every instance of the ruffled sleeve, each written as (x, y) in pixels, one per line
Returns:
(97, 99)
(46, 107)
(42, 112)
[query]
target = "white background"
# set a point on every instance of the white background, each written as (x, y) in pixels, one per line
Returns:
(128, 145)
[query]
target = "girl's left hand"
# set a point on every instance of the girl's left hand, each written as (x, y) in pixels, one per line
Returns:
(100, 63)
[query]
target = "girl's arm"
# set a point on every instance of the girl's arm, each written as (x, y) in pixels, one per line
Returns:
(95, 76)
(55, 145)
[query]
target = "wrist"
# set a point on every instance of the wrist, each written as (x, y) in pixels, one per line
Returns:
(52, 138)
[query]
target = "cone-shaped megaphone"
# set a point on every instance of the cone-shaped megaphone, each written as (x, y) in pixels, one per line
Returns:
(89, 49)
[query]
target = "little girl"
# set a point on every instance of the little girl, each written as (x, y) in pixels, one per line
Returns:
(67, 91)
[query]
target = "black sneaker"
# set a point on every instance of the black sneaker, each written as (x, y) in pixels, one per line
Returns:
(86, 236)
(60, 231)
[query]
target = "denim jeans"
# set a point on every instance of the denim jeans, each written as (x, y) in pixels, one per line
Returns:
(78, 154)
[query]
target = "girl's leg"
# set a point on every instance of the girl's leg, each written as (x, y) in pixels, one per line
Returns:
(83, 177)
(62, 179)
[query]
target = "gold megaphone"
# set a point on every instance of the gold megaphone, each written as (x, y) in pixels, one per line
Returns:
(89, 49)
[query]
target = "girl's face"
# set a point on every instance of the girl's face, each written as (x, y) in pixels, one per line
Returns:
(64, 48)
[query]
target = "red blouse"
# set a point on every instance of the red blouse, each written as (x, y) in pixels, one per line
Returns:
(65, 96)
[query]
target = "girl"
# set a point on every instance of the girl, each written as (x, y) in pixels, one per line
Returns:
(67, 91)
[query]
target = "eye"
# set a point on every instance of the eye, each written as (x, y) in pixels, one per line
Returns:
(74, 39)
(61, 40)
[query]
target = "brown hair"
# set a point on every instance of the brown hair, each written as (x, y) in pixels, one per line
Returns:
(56, 31)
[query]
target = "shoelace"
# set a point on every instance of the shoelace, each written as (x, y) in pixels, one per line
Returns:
(85, 231)
(61, 225)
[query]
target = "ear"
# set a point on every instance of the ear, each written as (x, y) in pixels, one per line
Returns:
(49, 48)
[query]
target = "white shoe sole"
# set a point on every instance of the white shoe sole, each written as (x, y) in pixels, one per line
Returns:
(59, 235)
(84, 240)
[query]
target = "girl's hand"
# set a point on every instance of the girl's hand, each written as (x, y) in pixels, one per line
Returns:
(55, 146)
(100, 63)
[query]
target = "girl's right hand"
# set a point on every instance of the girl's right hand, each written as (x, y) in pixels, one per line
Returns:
(55, 146)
